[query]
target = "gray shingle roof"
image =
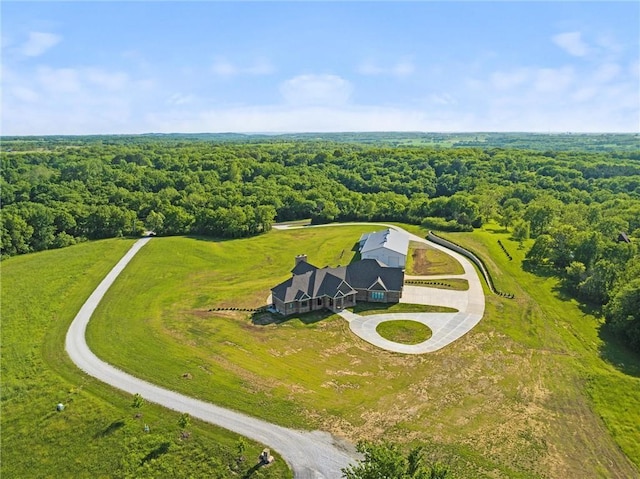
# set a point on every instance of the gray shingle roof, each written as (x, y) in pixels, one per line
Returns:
(312, 282)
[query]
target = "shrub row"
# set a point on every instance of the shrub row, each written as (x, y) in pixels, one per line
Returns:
(435, 283)
(249, 310)
(505, 250)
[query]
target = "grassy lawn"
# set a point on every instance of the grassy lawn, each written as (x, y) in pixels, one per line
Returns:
(405, 332)
(364, 309)
(604, 374)
(426, 260)
(456, 284)
(513, 398)
(97, 435)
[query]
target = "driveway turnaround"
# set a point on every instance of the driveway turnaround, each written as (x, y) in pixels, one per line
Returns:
(311, 455)
(445, 327)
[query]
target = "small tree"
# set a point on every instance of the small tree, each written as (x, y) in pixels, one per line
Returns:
(241, 447)
(184, 421)
(138, 401)
(386, 460)
(521, 231)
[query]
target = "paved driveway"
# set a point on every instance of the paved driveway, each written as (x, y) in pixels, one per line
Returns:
(446, 327)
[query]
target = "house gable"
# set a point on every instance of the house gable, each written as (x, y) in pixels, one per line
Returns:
(309, 286)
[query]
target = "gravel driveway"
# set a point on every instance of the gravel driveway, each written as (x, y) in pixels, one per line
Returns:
(311, 455)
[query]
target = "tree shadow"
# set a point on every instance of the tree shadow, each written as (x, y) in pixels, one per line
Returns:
(250, 472)
(156, 453)
(110, 429)
(496, 230)
(265, 318)
(544, 271)
(614, 351)
(210, 239)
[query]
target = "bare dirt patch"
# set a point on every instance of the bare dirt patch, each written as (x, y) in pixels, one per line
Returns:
(426, 260)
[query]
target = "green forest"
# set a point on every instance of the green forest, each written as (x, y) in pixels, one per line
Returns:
(576, 196)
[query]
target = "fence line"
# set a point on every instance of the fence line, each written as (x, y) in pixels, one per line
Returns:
(476, 260)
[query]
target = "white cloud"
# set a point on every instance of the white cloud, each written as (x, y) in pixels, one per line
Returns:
(607, 72)
(572, 43)
(442, 99)
(261, 66)
(316, 90)
(59, 80)
(506, 80)
(107, 80)
(553, 80)
(282, 119)
(224, 68)
(38, 43)
(180, 99)
(402, 68)
(24, 94)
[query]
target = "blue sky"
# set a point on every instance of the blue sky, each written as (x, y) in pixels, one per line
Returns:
(137, 67)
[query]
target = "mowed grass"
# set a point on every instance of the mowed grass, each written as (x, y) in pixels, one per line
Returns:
(404, 331)
(512, 398)
(97, 434)
(364, 309)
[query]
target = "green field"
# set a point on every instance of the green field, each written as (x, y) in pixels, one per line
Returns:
(404, 331)
(513, 398)
(533, 391)
(97, 435)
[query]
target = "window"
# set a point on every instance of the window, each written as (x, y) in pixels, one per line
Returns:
(319, 301)
(377, 295)
(304, 304)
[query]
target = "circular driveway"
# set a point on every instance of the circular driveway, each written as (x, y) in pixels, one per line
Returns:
(446, 327)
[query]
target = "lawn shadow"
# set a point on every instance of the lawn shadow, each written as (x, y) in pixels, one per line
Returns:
(496, 230)
(356, 252)
(265, 318)
(614, 351)
(110, 429)
(209, 239)
(156, 453)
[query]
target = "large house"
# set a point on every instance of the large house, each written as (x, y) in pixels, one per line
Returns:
(311, 288)
(389, 246)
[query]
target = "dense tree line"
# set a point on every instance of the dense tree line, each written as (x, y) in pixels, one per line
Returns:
(61, 190)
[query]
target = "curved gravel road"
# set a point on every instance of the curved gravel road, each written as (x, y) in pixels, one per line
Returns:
(311, 455)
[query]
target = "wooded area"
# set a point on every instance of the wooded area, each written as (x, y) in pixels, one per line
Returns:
(581, 205)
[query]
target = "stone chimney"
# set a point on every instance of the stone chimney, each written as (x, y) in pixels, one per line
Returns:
(300, 258)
